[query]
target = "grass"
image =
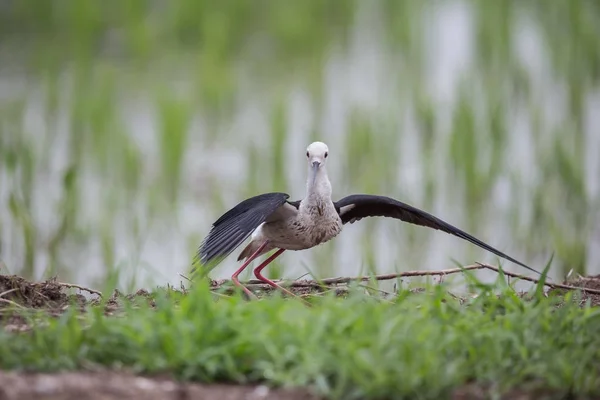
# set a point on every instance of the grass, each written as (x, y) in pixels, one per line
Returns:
(421, 345)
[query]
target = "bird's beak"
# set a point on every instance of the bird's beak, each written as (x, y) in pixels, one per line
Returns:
(315, 169)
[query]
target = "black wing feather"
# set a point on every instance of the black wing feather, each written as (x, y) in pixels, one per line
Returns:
(233, 227)
(380, 206)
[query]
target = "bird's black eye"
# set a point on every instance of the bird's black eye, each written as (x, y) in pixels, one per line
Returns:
(326, 154)
(307, 155)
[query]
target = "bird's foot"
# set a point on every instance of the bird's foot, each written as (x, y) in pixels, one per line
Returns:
(248, 295)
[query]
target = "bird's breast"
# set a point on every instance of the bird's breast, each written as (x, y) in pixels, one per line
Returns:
(309, 228)
(321, 222)
(323, 230)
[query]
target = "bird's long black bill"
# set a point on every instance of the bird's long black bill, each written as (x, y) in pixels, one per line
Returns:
(314, 169)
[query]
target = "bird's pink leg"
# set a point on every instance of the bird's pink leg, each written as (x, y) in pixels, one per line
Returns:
(268, 281)
(234, 277)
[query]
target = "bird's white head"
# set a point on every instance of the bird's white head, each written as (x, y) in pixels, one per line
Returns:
(316, 154)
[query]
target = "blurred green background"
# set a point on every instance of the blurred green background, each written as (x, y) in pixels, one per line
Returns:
(128, 127)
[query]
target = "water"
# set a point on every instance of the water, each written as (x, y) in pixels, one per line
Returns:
(364, 81)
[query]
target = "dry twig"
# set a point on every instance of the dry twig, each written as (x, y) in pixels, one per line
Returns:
(12, 303)
(72, 285)
(327, 283)
(8, 291)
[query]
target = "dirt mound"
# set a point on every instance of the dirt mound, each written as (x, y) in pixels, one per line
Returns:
(53, 295)
(18, 296)
(48, 294)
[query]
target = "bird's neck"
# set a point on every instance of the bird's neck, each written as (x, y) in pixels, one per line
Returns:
(320, 188)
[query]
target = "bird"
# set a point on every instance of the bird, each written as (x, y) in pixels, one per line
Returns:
(275, 222)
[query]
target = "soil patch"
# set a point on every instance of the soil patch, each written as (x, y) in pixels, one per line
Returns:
(118, 385)
(101, 385)
(587, 282)
(478, 392)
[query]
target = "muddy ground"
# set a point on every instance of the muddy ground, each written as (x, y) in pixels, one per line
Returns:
(102, 385)
(117, 385)
(55, 297)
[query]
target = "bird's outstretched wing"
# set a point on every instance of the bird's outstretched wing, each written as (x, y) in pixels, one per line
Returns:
(357, 206)
(233, 227)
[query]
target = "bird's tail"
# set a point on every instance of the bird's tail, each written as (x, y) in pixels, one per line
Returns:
(251, 248)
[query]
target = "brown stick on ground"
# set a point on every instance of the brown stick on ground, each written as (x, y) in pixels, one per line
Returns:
(255, 284)
(73, 286)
